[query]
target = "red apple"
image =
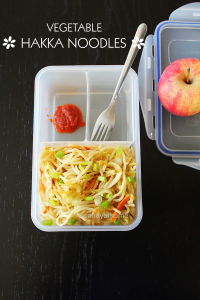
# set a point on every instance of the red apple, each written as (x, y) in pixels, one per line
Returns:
(179, 87)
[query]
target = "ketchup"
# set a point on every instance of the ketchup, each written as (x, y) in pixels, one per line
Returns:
(67, 118)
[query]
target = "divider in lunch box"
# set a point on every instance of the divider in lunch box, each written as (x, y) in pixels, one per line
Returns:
(91, 89)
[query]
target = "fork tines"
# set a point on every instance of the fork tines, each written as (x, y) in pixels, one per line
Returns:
(102, 133)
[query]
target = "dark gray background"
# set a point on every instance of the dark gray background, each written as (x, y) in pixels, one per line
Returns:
(157, 260)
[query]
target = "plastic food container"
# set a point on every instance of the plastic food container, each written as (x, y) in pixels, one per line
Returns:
(91, 89)
(178, 137)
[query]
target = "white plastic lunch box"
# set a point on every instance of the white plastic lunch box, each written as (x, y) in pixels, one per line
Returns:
(178, 137)
(91, 89)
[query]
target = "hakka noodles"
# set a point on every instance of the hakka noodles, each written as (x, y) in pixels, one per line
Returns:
(92, 185)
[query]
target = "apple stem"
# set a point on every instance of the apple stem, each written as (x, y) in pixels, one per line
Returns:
(188, 73)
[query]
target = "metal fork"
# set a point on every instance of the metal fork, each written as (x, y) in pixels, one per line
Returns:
(106, 121)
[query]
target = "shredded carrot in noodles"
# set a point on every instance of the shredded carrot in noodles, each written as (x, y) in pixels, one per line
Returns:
(76, 191)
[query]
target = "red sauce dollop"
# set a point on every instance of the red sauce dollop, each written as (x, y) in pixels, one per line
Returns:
(67, 118)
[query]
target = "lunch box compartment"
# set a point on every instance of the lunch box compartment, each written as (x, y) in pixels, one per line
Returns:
(178, 137)
(58, 87)
(178, 41)
(91, 89)
(101, 88)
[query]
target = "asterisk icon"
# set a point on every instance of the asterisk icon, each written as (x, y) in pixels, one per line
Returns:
(137, 42)
(9, 42)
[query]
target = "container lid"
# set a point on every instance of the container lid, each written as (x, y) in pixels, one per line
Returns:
(146, 86)
(174, 39)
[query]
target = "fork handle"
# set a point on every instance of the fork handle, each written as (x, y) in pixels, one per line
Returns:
(140, 34)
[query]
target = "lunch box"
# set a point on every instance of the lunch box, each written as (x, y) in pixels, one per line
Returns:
(178, 137)
(91, 89)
